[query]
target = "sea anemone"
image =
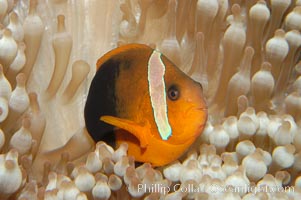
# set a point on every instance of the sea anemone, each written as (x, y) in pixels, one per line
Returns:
(246, 55)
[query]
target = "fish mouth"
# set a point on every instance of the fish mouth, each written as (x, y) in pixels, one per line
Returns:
(198, 108)
(202, 111)
(203, 107)
(201, 127)
(199, 118)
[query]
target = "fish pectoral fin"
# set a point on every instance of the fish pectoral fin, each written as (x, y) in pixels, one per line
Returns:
(140, 132)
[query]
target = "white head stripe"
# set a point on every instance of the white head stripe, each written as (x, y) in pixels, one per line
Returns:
(156, 71)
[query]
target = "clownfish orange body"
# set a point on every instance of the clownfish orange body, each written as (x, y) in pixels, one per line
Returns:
(140, 97)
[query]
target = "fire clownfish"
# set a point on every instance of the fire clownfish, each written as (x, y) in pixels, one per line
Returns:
(140, 97)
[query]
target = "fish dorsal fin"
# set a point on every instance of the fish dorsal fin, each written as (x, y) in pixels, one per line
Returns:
(157, 92)
(142, 133)
(121, 50)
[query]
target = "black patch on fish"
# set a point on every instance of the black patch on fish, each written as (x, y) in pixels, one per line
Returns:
(101, 101)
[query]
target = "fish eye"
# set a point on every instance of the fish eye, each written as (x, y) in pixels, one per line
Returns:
(173, 93)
